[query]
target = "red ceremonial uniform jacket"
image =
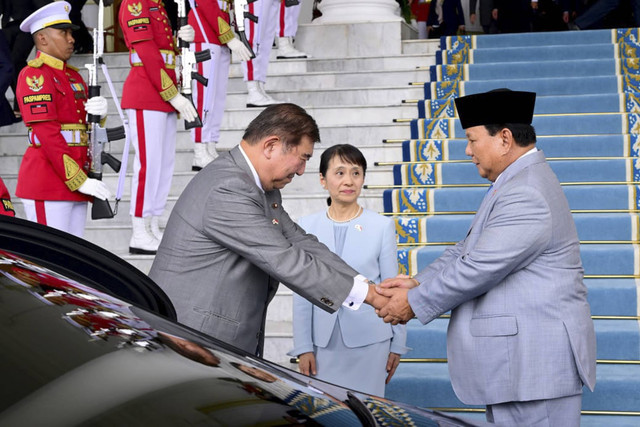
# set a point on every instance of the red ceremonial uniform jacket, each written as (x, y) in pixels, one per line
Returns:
(6, 207)
(214, 21)
(152, 79)
(51, 96)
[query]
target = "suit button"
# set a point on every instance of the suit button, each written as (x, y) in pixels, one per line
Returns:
(274, 206)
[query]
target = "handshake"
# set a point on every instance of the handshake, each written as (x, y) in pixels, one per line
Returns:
(390, 299)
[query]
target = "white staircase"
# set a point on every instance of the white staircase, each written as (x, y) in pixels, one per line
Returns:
(354, 86)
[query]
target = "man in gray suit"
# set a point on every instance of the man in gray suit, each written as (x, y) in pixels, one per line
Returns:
(520, 340)
(228, 241)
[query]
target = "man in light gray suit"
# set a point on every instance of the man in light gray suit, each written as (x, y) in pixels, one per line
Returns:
(229, 242)
(520, 340)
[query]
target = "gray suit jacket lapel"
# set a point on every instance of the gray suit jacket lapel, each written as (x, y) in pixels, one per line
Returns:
(511, 171)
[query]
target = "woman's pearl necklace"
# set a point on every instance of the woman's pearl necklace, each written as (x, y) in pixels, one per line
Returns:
(358, 212)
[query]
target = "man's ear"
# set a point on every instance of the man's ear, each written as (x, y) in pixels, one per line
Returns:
(40, 38)
(269, 145)
(507, 139)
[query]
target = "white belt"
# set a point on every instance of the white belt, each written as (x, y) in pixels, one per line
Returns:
(168, 57)
(72, 137)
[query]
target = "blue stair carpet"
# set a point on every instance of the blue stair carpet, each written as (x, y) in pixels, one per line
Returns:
(586, 119)
(617, 387)
(429, 341)
(553, 86)
(467, 199)
(597, 260)
(566, 124)
(628, 102)
(528, 40)
(523, 47)
(553, 146)
(614, 170)
(462, 55)
(537, 69)
(416, 230)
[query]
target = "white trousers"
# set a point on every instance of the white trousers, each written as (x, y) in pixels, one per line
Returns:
(153, 135)
(63, 215)
(288, 22)
(261, 37)
(214, 95)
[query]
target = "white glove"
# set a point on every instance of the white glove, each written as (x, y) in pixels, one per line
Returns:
(184, 107)
(187, 33)
(96, 188)
(97, 106)
(239, 49)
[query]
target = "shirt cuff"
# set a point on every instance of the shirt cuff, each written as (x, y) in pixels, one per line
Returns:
(358, 293)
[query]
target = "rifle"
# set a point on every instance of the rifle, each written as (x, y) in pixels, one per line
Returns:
(99, 136)
(188, 61)
(239, 14)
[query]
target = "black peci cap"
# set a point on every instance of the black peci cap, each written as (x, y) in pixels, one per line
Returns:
(496, 107)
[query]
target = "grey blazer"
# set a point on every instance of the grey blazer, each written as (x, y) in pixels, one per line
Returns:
(520, 325)
(227, 245)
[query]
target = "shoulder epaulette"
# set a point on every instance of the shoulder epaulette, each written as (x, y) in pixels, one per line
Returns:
(35, 63)
(72, 67)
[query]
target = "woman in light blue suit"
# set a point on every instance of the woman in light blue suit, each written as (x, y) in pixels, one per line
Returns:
(352, 348)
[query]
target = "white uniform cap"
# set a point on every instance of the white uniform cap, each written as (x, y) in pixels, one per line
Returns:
(54, 15)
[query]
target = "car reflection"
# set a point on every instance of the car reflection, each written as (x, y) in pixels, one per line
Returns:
(76, 356)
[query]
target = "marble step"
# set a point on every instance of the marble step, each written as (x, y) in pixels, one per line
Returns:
(424, 55)
(341, 97)
(319, 79)
(118, 64)
(325, 116)
(14, 151)
(420, 47)
(305, 185)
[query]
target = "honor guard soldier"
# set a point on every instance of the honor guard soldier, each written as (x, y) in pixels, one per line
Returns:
(52, 96)
(261, 35)
(214, 16)
(6, 207)
(287, 29)
(151, 99)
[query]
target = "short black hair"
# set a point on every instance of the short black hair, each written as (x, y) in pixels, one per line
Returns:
(346, 152)
(289, 122)
(523, 134)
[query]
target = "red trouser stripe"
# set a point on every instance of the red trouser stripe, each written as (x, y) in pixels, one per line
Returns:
(41, 214)
(282, 13)
(252, 31)
(142, 155)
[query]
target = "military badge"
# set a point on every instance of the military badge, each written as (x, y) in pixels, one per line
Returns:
(135, 9)
(35, 83)
(71, 168)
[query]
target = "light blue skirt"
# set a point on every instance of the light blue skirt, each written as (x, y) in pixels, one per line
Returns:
(360, 368)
